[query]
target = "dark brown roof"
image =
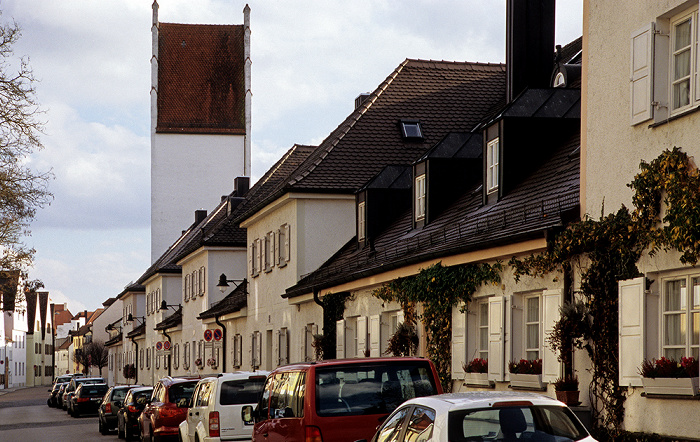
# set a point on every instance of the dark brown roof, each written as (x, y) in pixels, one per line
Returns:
(171, 321)
(115, 340)
(140, 330)
(30, 298)
(201, 84)
(545, 199)
(233, 302)
(444, 96)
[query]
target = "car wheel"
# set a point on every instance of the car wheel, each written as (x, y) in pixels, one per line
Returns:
(127, 433)
(120, 429)
(100, 427)
(76, 413)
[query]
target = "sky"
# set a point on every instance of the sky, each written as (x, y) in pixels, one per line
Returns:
(310, 60)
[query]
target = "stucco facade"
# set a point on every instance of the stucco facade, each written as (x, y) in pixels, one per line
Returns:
(638, 102)
(318, 225)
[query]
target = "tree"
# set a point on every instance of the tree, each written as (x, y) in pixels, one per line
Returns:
(80, 357)
(98, 354)
(22, 190)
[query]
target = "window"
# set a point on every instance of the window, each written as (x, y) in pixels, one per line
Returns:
(185, 289)
(283, 346)
(664, 67)
(683, 36)
(237, 351)
(492, 160)
(202, 281)
(483, 324)
(419, 190)
(681, 317)
(420, 426)
(176, 356)
(245, 391)
(282, 245)
(411, 130)
(309, 351)
(532, 327)
(361, 221)
(256, 349)
(269, 251)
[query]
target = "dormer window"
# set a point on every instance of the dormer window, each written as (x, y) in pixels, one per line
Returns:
(419, 197)
(411, 130)
(492, 160)
(559, 80)
(361, 223)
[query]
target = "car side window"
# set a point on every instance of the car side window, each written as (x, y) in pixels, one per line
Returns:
(288, 396)
(263, 406)
(420, 426)
(195, 395)
(391, 430)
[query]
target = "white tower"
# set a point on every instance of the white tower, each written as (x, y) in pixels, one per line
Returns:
(200, 120)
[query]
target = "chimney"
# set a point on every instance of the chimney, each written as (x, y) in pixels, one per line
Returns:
(529, 45)
(360, 99)
(241, 185)
(199, 216)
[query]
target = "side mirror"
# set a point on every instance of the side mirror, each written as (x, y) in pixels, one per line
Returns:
(247, 414)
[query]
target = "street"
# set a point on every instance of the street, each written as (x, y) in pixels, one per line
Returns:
(24, 416)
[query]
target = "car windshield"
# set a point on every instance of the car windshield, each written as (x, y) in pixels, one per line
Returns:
(245, 391)
(370, 388)
(93, 390)
(179, 391)
(533, 423)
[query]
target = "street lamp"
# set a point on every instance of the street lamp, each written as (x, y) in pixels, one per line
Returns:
(131, 318)
(223, 282)
(164, 306)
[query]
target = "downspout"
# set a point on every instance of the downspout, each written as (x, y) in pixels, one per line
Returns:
(136, 361)
(171, 342)
(223, 345)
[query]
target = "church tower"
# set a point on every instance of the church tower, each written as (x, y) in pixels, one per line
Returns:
(200, 120)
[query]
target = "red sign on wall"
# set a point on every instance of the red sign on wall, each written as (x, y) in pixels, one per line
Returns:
(218, 334)
(207, 335)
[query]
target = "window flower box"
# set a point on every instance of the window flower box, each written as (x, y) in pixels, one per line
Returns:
(671, 386)
(666, 376)
(526, 374)
(528, 381)
(476, 373)
(477, 379)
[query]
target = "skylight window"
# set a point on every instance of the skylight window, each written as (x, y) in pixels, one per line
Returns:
(411, 130)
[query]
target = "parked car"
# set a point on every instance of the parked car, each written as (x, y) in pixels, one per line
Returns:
(482, 416)
(87, 398)
(167, 408)
(73, 385)
(59, 395)
(110, 405)
(53, 400)
(128, 415)
(215, 411)
(338, 400)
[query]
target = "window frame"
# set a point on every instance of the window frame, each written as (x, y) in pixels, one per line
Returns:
(527, 323)
(674, 22)
(361, 220)
(493, 159)
(420, 197)
(688, 348)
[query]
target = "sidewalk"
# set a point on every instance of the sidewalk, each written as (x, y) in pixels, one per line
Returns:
(4, 391)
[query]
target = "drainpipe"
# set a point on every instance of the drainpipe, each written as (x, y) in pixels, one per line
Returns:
(223, 345)
(136, 361)
(171, 346)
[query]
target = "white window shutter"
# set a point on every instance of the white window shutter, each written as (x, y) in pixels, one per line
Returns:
(287, 240)
(361, 335)
(340, 339)
(375, 322)
(251, 258)
(496, 338)
(631, 323)
(459, 348)
(551, 367)
(283, 347)
(258, 255)
(278, 261)
(641, 70)
(273, 252)
(697, 62)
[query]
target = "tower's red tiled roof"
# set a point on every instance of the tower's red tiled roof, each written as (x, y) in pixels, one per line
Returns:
(201, 80)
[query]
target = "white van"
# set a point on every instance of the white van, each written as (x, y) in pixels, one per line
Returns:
(214, 412)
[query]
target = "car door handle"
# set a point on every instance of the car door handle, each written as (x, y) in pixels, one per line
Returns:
(264, 434)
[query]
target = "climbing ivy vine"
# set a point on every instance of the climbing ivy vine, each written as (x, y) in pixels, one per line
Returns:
(438, 289)
(609, 249)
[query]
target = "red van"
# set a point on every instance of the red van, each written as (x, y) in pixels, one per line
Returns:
(338, 400)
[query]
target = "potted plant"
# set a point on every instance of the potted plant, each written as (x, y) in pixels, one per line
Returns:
(198, 362)
(476, 372)
(668, 376)
(526, 374)
(567, 390)
(212, 362)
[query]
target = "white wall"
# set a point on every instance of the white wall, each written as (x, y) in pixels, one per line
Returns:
(188, 173)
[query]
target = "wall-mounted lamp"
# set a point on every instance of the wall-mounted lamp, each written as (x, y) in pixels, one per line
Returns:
(223, 282)
(131, 318)
(164, 306)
